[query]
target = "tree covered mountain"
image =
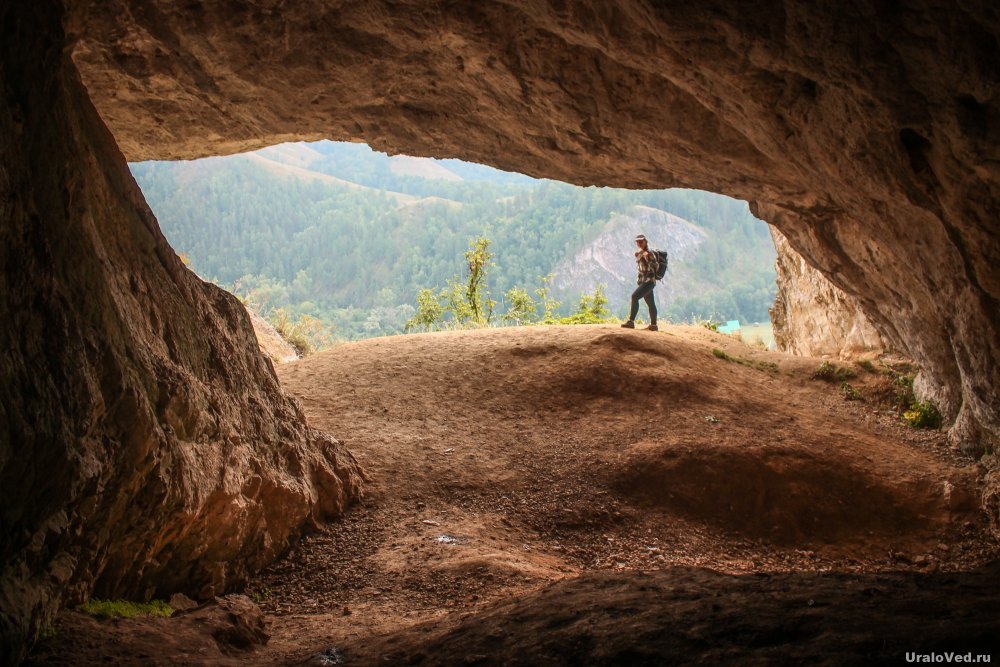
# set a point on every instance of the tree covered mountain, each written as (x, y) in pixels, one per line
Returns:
(348, 235)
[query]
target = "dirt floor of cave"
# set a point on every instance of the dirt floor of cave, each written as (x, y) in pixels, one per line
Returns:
(504, 460)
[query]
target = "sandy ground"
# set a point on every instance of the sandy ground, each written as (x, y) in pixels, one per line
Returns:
(505, 461)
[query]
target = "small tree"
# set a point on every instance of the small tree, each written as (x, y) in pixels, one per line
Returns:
(521, 308)
(456, 304)
(549, 305)
(429, 311)
(479, 259)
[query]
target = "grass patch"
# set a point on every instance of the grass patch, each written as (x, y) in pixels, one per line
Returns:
(126, 608)
(260, 596)
(766, 366)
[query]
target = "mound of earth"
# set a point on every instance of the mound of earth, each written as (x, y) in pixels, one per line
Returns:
(592, 462)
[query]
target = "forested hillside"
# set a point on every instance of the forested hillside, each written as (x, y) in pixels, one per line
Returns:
(348, 236)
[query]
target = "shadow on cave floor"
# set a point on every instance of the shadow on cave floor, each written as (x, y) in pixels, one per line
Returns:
(551, 495)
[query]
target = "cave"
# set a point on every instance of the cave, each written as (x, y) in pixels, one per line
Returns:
(139, 418)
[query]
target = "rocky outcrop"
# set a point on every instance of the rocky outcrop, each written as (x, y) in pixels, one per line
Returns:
(867, 134)
(272, 345)
(608, 259)
(146, 447)
(811, 317)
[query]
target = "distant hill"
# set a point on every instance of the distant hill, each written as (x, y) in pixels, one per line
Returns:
(403, 165)
(283, 169)
(348, 235)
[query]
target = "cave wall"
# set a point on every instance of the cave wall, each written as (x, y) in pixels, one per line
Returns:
(811, 316)
(138, 416)
(146, 446)
(866, 132)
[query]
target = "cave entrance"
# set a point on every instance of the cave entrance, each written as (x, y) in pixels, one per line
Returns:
(148, 448)
(333, 241)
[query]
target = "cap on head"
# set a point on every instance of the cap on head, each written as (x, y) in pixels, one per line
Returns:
(640, 237)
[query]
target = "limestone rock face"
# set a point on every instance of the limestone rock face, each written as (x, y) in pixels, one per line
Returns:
(868, 134)
(146, 447)
(608, 260)
(272, 345)
(811, 317)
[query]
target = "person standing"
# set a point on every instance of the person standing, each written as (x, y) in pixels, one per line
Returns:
(648, 263)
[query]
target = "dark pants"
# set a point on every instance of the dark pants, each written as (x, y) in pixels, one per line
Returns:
(644, 291)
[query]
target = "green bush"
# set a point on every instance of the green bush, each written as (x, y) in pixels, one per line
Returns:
(923, 414)
(593, 309)
(429, 311)
(549, 305)
(830, 372)
(866, 365)
(711, 325)
(850, 392)
(521, 308)
(904, 389)
(126, 608)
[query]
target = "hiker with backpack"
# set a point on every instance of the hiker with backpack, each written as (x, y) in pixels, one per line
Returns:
(652, 266)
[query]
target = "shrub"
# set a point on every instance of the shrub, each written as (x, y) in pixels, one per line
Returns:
(549, 305)
(923, 414)
(521, 308)
(126, 608)
(825, 371)
(850, 392)
(866, 365)
(721, 355)
(904, 389)
(429, 311)
(306, 334)
(261, 595)
(711, 325)
(830, 372)
(593, 309)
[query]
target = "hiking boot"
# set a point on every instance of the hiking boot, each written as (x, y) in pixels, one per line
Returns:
(652, 327)
(629, 325)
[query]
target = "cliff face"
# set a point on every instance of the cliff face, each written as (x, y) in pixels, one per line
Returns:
(608, 259)
(811, 317)
(146, 446)
(867, 134)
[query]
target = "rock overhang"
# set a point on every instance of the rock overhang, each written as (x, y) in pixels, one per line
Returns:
(864, 134)
(870, 138)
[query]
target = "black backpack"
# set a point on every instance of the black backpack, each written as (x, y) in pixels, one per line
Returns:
(661, 256)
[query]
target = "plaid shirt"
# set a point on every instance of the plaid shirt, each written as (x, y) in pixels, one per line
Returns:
(648, 264)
